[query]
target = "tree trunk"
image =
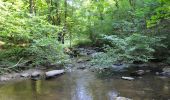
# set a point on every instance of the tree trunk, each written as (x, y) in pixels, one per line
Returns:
(32, 7)
(65, 20)
(132, 4)
(116, 4)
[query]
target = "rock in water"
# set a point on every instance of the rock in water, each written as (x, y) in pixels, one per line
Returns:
(81, 67)
(122, 98)
(35, 74)
(128, 78)
(4, 79)
(53, 73)
(166, 72)
(137, 73)
(25, 75)
(119, 67)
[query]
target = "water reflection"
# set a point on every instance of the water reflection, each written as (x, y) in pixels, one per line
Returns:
(112, 95)
(83, 85)
(81, 91)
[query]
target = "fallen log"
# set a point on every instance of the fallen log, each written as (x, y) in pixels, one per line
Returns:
(53, 73)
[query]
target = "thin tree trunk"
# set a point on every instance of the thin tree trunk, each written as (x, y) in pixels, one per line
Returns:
(70, 31)
(32, 7)
(132, 4)
(52, 8)
(65, 20)
(58, 19)
(116, 4)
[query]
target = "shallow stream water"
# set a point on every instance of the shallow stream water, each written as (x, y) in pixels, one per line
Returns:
(84, 85)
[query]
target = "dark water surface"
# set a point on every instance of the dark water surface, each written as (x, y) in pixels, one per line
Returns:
(83, 85)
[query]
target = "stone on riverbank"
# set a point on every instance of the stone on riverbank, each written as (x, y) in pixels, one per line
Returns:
(122, 98)
(128, 78)
(25, 75)
(166, 72)
(53, 73)
(35, 74)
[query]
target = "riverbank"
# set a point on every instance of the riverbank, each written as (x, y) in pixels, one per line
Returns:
(81, 60)
(83, 82)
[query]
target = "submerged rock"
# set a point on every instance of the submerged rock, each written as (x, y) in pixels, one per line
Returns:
(137, 73)
(128, 78)
(157, 73)
(148, 71)
(112, 95)
(119, 67)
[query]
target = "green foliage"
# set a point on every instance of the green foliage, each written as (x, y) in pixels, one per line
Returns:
(80, 42)
(168, 60)
(27, 36)
(160, 13)
(45, 51)
(34, 35)
(11, 54)
(135, 47)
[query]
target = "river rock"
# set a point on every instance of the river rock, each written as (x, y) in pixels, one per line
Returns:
(82, 67)
(148, 71)
(166, 72)
(35, 74)
(4, 79)
(128, 78)
(119, 67)
(53, 73)
(85, 51)
(25, 75)
(95, 54)
(166, 69)
(83, 59)
(157, 73)
(137, 73)
(69, 65)
(122, 98)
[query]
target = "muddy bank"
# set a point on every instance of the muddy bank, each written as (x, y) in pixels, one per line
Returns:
(20, 76)
(33, 74)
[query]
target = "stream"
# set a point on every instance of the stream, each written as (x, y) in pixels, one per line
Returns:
(84, 85)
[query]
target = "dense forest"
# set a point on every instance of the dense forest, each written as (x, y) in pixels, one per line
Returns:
(42, 32)
(84, 49)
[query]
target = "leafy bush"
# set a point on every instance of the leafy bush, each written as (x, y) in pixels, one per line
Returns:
(45, 51)
(29, 37)
(11, 53)
(136, 47)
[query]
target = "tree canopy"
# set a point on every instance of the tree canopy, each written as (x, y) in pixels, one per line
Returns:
(128, 30)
